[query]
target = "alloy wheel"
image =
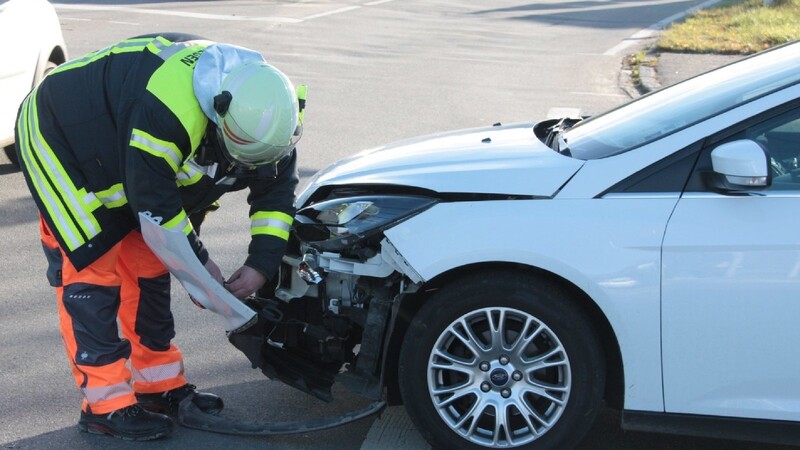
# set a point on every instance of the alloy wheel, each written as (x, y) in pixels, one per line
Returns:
(499, 377)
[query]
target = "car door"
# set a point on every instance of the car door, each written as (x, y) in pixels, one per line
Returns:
(731, 286)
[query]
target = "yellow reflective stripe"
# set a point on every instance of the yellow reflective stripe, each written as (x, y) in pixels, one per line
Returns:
(273, 223)
(112, 197)
(90, 199)
(131, 45)
(166, 49)
(172, 85)
(302, 92)
(158, 44)
(57, 176)
(189, 174)
(179, 222)
(157, 147)
(55, 207)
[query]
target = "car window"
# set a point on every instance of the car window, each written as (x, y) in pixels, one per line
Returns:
(687, 103)
(779, 135)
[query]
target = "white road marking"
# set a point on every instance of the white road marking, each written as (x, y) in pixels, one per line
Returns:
(330, 13)
(123, 23)
(394, 430)
(600, 94)
(561, 112)
(193, 15)
(161, 12)
(655, 28)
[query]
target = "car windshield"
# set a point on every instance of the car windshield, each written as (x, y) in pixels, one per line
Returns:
(669, 110)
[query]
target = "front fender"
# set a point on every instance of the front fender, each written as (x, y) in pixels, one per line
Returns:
(617, 263)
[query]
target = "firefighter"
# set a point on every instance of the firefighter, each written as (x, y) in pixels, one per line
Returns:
(161, 125)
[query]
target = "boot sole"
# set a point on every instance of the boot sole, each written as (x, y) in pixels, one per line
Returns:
(160, 408)
(96, 428)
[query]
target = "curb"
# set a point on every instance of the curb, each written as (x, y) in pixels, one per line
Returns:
(648, 77)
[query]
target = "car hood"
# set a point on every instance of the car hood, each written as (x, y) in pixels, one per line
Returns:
(492, 160)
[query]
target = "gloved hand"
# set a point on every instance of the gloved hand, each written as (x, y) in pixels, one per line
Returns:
(245, 281)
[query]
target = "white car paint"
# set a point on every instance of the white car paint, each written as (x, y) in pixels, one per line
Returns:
(700, 288)
(616, 262)
(494, 160)
(734, 288)
(31, 36)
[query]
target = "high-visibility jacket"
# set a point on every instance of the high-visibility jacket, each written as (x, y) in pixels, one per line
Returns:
(119, 132)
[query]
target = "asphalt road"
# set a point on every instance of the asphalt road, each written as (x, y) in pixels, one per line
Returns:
(377, 71)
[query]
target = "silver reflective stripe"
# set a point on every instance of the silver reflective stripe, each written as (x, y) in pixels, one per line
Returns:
(188, 172)
(168, 51)
(162, 150)
(89, 198)
(104, 51)
(40, 181)
(225, 181)
(160, 46)
(158, 373)
(114, 198)
(99, 394)
(64, 186)
(192, 171)
(183, 225)
(273, 223)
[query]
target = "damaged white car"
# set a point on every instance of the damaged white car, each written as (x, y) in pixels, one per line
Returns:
(503, 282)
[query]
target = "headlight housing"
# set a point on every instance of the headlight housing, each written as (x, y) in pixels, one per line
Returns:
(337, 224)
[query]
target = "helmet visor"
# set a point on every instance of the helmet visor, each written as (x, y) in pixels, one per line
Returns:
(244, 155)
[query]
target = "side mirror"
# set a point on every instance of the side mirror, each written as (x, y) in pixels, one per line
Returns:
(739, 166)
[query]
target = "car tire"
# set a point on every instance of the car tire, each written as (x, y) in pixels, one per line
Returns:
(451, 375)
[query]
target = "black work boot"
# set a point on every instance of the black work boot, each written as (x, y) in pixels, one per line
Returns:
(132, 423)
(169, 401)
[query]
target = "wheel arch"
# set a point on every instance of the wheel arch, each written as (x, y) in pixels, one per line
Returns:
(411, 303)
(57, 56)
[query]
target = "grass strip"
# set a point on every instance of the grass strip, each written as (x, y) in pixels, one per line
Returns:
(735, 27)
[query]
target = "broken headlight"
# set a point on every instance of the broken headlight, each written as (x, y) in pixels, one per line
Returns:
(334, 225)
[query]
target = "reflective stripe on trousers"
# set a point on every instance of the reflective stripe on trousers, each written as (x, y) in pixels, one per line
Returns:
(129, 285)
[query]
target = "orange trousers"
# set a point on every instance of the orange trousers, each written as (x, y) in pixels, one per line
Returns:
(130, 286)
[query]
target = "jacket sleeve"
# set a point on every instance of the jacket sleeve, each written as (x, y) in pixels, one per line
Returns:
(271, 215)
(157, 147)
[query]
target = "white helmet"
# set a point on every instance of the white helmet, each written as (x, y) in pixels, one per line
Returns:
(257, 114)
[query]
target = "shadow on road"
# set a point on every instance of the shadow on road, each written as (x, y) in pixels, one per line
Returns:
(592, 15)
(263, 400)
